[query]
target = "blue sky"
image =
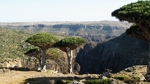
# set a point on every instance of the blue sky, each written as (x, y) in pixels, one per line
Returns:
(58, 10)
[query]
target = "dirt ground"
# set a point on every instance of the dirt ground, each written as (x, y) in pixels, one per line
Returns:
(26, 77)
(22, 77)
(18, 77)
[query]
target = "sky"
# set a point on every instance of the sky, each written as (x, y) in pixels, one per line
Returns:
(59, 10)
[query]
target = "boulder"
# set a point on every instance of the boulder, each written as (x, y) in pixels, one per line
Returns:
(129, 69)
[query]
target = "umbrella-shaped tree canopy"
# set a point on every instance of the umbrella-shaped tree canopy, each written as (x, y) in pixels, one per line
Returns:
(70, 43)
(134, 12)
(139, 14)
(42, 40)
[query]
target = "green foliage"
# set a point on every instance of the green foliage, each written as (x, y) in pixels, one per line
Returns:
(98, 81)
(42, 40)
(131, 80)
(139, 14)
(139, 9)
(136, 78)
(53, 53)
(70, 42)
(12, 43)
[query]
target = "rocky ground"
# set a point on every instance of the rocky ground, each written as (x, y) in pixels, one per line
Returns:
(26, 77)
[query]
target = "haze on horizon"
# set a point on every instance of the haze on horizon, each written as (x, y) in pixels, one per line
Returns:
(58, 10)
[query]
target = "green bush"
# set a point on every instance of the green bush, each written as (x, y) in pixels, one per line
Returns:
(137, 79)
(98, 81)
(131, 80)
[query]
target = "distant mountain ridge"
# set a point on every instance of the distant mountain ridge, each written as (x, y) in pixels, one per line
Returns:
(97, 31)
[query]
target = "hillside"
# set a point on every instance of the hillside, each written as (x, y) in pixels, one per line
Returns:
(12, 43)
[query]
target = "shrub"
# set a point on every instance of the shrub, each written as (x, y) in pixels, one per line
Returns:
(131, 80)
(137, 79)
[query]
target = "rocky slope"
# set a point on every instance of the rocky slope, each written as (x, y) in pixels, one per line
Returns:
(115, 54)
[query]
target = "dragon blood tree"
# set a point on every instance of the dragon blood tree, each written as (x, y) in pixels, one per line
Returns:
(44, 41)
(67, 45)
(137, 13)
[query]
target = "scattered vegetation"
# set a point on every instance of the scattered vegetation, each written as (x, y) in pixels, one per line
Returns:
(131, 80)
(12, 43)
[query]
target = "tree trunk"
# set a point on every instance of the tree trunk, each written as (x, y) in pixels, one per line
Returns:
(43, 64)
(70, 62)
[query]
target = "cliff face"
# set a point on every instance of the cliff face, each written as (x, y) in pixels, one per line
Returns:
(115, 54)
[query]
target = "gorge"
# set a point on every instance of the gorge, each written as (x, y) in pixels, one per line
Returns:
(108, 47)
